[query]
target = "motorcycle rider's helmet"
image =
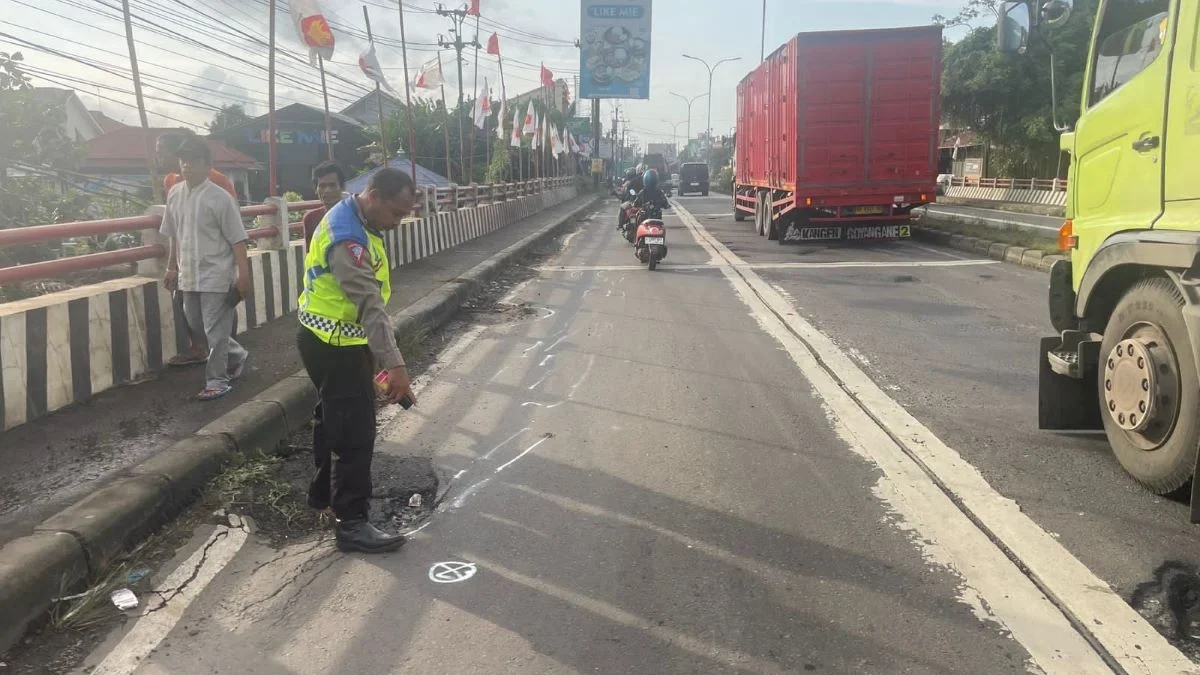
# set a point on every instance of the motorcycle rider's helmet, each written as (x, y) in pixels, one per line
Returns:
(631, 173)
(650, 178)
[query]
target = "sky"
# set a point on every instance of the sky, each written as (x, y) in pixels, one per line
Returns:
(188, 80)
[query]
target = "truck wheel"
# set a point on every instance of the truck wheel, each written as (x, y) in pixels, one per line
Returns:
(774, 233)
(738, 214)
(1149, 389)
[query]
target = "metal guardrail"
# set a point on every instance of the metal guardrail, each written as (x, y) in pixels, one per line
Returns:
(429, 199)
(1048, 184)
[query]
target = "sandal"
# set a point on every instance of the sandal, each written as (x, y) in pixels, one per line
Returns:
(214, 393)
(181, 360)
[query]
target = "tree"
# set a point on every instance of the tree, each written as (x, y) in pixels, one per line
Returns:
(227, 117)
(12, 77)
(1006, 99)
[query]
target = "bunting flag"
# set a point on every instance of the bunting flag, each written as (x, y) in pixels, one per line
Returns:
(483, 106)
(501, 117)
(493, 45)
(430, 76)
(531, 121)
(515, 139)
(369, 64)
(312, 28)
(547, 77)
(473, 9)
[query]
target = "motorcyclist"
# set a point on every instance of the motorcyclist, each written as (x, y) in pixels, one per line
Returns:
(633, 181)
(651, 198)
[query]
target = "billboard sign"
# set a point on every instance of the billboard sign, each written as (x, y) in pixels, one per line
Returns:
(615, 58)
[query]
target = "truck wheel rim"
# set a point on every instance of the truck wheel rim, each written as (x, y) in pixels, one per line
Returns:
(1141, 386)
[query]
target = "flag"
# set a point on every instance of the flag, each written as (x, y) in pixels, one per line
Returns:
(547, 77)
(493, 46)
(430, 76)
(531, 121)
(483, 106)
(473, 10)
(515, 139)
(563, 148)
(312, 28)
(369, 64)
(572, 144)
(501, 117)
(552, 138)
(536, 141)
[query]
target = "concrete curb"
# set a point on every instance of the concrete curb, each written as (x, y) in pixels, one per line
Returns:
(77, 542)
(1017, 255)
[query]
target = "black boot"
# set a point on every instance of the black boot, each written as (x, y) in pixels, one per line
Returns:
(362, 536)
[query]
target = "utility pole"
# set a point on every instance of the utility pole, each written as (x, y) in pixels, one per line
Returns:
(596, 138)
(457, 17)
(762, 50)
(156, 187)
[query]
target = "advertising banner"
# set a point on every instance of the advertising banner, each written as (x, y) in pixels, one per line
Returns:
(615, 58)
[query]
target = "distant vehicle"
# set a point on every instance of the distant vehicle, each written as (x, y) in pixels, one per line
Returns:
(675, 181)
(943, 183)
(656, 161)
(837, 135)
(693, 177)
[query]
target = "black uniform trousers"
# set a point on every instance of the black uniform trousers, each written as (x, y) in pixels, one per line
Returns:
(343, 426)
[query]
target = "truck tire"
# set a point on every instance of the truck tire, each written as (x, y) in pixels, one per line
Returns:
(773, 231)
(1149, 388)
(738, 214)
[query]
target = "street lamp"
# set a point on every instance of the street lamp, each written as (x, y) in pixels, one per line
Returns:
(708, 154)
(674, 133)
(689, 102)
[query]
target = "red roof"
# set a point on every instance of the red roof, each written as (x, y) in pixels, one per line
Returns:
(107, 123)
(125, 149)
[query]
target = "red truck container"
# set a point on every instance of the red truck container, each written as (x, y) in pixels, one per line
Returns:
(837, 135)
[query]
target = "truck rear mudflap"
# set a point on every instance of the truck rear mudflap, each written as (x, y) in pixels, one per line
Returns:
(1068, 394)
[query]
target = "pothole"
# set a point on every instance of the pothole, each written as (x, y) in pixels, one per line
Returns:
(1171, 603)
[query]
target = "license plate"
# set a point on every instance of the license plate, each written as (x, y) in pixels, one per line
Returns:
(868, 210)
(695, 185)
(651, 241)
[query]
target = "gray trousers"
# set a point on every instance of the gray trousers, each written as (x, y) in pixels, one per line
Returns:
(211, 313)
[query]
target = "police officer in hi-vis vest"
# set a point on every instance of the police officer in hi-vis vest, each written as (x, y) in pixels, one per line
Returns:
(345, 339)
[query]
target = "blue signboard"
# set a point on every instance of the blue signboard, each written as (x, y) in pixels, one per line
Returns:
(615, 59)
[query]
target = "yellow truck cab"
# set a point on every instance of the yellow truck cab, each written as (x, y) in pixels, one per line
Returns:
(1127, 303)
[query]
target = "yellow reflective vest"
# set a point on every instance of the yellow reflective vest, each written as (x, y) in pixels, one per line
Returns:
(324, 308)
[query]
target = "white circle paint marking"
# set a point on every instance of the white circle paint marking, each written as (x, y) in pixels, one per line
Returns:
(451, 572)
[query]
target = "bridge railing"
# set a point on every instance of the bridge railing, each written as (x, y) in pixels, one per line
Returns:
(1048, 184)
(274, 231)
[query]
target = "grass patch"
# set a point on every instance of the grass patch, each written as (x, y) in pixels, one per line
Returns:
(1020, 238)
(413, 343)
(260, 487)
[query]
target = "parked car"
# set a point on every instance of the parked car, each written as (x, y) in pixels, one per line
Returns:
(693, 177)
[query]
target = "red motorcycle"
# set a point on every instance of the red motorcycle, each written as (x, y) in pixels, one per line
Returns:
(650, 243)
(631, 216)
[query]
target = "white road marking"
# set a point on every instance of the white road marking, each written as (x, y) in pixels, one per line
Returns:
(524, 452)
(783, 266)
(451, 572)
(503, 443)
(921, 474)
(181, 587)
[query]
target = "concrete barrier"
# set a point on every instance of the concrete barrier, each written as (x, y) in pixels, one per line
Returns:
(62, 348)
(1045, 197)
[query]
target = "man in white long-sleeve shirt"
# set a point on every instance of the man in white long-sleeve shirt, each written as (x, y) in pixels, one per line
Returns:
(208, 263)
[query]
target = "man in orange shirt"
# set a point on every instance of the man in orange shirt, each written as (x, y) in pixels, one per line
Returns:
(168, 162)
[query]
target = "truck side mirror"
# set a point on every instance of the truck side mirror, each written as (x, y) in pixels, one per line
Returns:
(1013, 26)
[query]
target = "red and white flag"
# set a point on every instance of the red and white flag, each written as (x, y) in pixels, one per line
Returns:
(502, 116)
(574, 147)
(312, 28)
(515, 139)
(493, 45)
(536, 142)
(531, 121)
(483, 106)
(473, 8)
(430, 76)
(547, 77)
(369, 64)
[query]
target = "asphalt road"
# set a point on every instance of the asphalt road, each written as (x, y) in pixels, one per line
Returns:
(675, 472)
